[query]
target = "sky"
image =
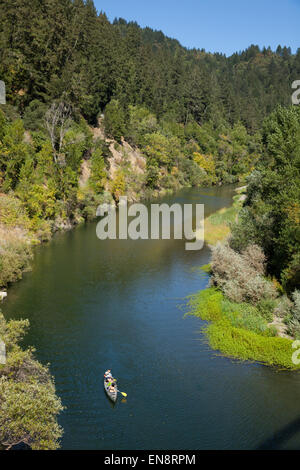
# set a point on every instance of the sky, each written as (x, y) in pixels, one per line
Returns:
(214, 25)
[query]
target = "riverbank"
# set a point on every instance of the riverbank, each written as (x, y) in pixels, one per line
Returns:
(239, 331)
(217, 225)
(26, 389)
(246, 311)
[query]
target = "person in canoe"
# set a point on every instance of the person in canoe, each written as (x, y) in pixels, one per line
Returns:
(110, 385)
(109, 381)
(107, 374)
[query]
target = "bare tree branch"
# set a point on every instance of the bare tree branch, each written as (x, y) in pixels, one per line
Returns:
(57, 124)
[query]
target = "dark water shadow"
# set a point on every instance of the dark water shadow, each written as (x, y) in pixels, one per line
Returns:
(112, 404)
(280, 437)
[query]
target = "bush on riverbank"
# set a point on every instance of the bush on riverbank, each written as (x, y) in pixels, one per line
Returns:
(28, 404)
(241, 275)
(15, 254)
(15, 240)
(292, 318)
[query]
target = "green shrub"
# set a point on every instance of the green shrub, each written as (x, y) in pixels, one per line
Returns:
(98, 175)
(141, 122)
(13, 152)
(246, 316)
(114, 120)
(293, 319)
(266, 308)
(283, 307)
(28, 404)
(13, 213)
(34, 116)
(15, 254)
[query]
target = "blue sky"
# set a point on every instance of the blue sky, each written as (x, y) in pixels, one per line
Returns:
(215, 25)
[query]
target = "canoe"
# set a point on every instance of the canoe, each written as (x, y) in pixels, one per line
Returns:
(111, 395)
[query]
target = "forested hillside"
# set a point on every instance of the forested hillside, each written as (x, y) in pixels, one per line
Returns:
(55, 48)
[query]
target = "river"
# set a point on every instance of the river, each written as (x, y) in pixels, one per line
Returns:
(94, 305)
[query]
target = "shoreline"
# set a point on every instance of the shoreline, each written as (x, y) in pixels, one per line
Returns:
(237, 330)
(238, 343)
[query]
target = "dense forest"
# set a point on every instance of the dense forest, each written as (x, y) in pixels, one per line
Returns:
(51, 49)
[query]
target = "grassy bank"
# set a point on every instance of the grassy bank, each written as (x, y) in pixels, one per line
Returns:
(240, 331)
(217, 225)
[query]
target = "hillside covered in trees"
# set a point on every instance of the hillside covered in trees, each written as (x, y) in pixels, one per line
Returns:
(51, 49)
